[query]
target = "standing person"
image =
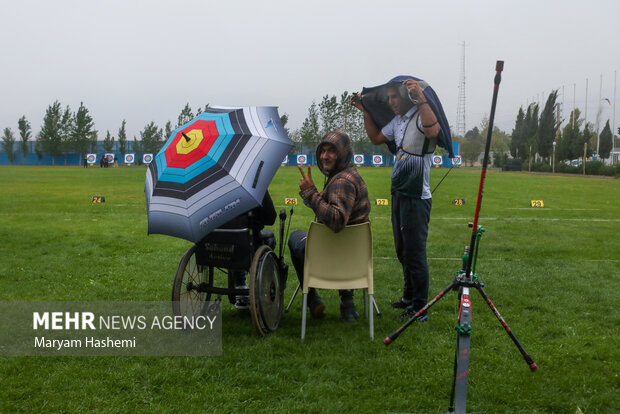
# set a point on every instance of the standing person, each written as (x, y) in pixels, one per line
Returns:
(85, 161)
(412, 134)
(343, 201)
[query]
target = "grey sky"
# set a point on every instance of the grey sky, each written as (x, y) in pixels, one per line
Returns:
(143, 60)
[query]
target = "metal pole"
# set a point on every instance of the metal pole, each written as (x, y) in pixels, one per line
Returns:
(553, 167)
(613, 130)
(574, 93)
(598, 116)
(585, 147)
(585, 118)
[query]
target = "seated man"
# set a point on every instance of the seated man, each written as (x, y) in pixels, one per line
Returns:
(343, 201)
(263, 215)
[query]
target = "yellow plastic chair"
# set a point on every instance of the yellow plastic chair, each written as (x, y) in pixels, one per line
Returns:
(340, 260)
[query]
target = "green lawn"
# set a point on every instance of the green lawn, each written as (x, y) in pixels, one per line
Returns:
(553, 273)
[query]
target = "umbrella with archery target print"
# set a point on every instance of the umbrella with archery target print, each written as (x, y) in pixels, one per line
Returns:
(213, 169)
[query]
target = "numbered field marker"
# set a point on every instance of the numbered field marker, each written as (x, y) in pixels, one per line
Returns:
(458, 201)
(382, 202)
(98, 200)
(537, 203)
(291, 201)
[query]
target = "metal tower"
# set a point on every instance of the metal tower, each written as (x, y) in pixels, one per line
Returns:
(460, 106)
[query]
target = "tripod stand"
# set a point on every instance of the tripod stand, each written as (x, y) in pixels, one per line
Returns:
(465, 280)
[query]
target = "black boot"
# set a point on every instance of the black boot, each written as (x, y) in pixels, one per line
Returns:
(317, 308)
(347, 310)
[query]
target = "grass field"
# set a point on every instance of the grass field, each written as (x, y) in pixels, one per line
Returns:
(553, 272)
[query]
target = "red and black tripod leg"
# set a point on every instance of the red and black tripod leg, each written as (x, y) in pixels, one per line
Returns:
(392, 337)
(528, 359)
(458, 399)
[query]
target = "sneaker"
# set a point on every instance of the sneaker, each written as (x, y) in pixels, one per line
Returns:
(401, 303)
(316, 305)
(348, 312)
(408, 314)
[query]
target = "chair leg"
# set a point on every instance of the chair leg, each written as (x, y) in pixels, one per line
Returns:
(370, 318)
(293, 298)
(303, 315)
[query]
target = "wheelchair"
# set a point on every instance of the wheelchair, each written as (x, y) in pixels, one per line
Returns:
(235, 249)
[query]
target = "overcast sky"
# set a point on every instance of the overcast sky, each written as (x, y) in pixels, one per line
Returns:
(143, 60)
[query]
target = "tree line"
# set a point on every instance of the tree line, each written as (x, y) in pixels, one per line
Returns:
(66, 131)
(535, 131)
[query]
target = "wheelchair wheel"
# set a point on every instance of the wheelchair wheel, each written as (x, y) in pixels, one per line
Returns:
(266, 291)
(187, 299)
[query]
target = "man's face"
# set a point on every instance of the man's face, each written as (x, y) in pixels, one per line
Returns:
(399, 105)
(328, 157)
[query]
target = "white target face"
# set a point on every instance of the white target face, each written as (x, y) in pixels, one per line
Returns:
(437, 159)
(91, 158)
(147, 158)
(377, 159)
(109, 157)
(302, 160)
(129, 158)
(358, 159)
(457, 160)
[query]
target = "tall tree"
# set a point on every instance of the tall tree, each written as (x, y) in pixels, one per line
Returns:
(84, 132)
(108, 142)
(122, 138)
(568, 146)
(547, 126)
(472, 145)
(8, 141)
(185, 116)
(588, 136)
(309, 131)
(151, 137)
(24, 132)
(66, 130)
(136, 147)
(200, 110)
(517, 141)
(50, 136)
(284, 121)
(328, 110)
(604, 146)
(168, 130)
(530, 129)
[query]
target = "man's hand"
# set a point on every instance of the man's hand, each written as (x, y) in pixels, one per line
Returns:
(356, 101)
(415, 92)
(306, 180)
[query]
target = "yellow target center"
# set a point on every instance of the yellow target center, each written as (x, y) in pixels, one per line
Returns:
(195, 138)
